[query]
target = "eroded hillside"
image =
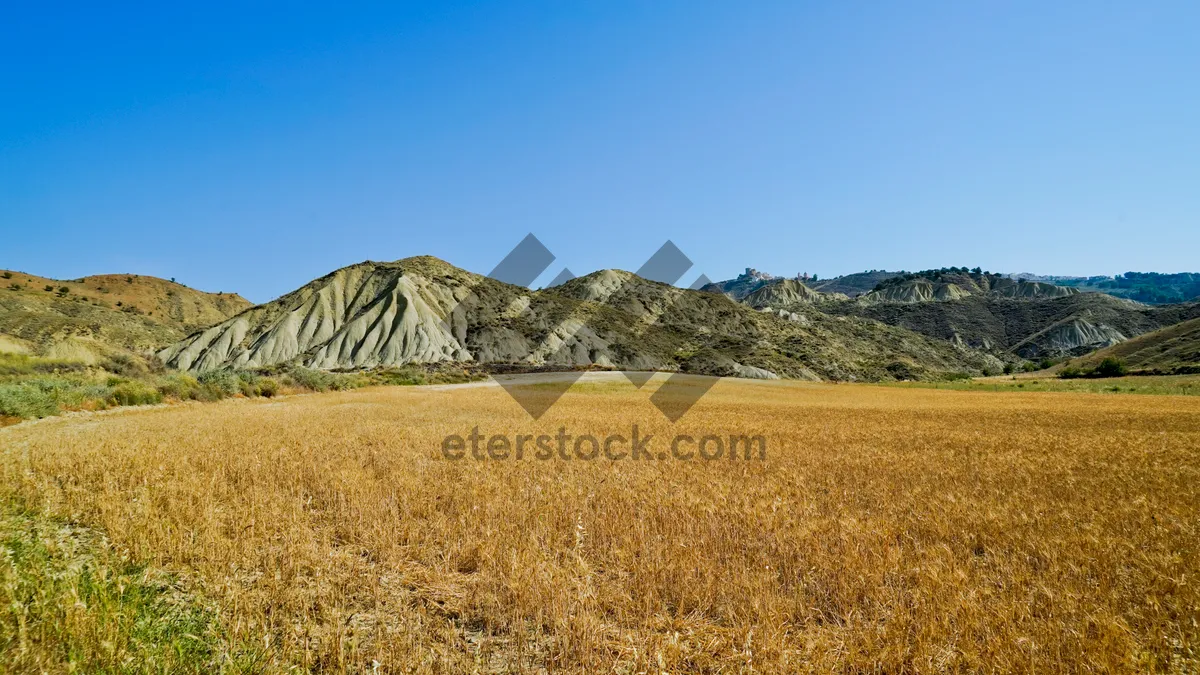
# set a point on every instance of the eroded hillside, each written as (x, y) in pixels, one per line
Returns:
(1174, 349)
(956, 283)
(425, 310)
(1031, 328)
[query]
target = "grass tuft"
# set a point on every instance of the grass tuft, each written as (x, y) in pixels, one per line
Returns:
(71, 605)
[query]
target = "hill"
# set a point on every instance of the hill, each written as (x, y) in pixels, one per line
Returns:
(1148, 287)
(423, 310)
(751, 280)
(855, 284)
(1171, 350)
(953, 283)
(947, 283)
(785, 293)
(82, 317)
(1035, 328)
(1004, 315)
(744, 284)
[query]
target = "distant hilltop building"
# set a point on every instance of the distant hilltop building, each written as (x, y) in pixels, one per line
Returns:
(754, 274)
(751, 275)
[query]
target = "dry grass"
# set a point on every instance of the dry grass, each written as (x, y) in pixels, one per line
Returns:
(889, 530)
(164, 301)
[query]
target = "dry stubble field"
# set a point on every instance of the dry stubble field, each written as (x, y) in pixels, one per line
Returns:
(888, 530)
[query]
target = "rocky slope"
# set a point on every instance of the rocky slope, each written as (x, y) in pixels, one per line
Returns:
(83, 318)
(1030, 328)
(1174, 349)
(425, 310)
(785, 293)
(996, 314)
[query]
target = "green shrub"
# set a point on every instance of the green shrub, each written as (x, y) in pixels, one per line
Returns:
(6, 275)
(252, 384)
(124, 365)
(224, 382)
(27, 399)
(16, 364)
(405, 375)
(182, 387)
(1008, 369)
(76, 393)
(134, 392)
(42, 396)
(1110, 367)
(1070, 373)
(1046, 363)
(320, 380)
(267, 387)
(210, 392)
(56, 366)
(248, 384)
(347, 381)
(902, 371)
(315, 380)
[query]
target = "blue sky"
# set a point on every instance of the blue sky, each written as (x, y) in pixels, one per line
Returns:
(252, 149)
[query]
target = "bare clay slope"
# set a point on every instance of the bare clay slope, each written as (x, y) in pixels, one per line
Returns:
(785, 293)
(423, 310)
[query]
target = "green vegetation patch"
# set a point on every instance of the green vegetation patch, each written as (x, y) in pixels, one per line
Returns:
(23, 364)
(72, 605)
(27, 399)
(1109, 367)
(33, 387)
(1172, 385)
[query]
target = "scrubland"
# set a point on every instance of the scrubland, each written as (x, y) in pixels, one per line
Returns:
(887, 530)
(1175, 385)
(36, 386)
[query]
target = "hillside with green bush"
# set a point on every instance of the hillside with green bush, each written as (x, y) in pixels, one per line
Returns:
(1171, 350)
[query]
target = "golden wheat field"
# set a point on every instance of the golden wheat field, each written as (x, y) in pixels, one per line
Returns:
(887, 530)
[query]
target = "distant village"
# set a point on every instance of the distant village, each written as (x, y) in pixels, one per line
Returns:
(753, 274)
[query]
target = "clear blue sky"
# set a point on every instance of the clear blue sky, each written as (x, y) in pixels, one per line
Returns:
(251, 149)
